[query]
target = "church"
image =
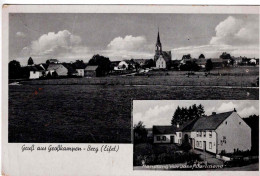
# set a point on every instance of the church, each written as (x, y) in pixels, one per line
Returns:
(162, 58)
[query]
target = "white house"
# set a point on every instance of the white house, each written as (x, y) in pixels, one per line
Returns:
(215, 133)
(80, 72)
(221, 132)
(167, 134)
(161, 63)
(36, 71)
(252, 61)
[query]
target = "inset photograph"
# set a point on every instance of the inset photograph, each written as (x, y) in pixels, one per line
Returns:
(196, 135)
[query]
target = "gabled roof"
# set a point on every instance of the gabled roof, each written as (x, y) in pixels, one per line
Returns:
(187, 126)
(164, 129)
(54, 66)
(32, 68)
(69, 67)
(210, 122)
(91, 68)
(39, 67)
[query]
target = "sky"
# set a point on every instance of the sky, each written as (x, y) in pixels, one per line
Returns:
(73, 36)
(160, 112)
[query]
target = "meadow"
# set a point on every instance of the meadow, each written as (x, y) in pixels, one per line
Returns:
(91, 113)
(82, 110)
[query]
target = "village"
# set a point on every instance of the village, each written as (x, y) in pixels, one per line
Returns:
(100, 66)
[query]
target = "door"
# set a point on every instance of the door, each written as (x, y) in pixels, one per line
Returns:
(204, 145)
(172, 139)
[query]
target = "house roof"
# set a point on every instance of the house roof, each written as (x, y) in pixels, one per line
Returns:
(53, 60)
(164, 129)
(91, 68)
(54, 66)
(69, 67)
(216, 60)
(35, 68)
(45, 66)
(210, 122)
(32, 68)
(39, 67)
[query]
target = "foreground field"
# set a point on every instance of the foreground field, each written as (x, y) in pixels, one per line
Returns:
(92, 113)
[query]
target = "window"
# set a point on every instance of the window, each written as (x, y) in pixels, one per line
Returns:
(197, 134)
(210, 134)
(179, 134)
(200, 133)
(158, 138)
(226, 122)
(239, 123)
(197, 143)
(200, 144)
(204, 133)
(164, 138)
(210, 145)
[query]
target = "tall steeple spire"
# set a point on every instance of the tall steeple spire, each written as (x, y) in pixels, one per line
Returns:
(158, 39)
(158, 45)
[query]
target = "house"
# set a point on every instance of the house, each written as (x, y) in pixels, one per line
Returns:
(215, 133)
(59, 69)
(91, 71)
(79, 67)
(252, 61)
(164, 134)
(36, 71)
(221, 132)
(218, 62)
(114, 65)
(167, 134)
(126, 65)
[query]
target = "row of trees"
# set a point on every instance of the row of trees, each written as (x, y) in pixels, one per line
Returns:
(184, 114)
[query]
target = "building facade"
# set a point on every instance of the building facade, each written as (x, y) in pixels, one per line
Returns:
(223, 132)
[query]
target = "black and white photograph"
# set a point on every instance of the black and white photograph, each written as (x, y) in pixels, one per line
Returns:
(73, 76)
(196, 135)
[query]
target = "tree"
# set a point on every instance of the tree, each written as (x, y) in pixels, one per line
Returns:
(140, 133)
(102, 62)
(149, 63)
(187, 56)
(79, 64)
(201, 111)
(209, 65)
(225, 55)
(48, 62)
(176, 116)
(201, 56)
(14, 69)
(30, 61)
(184, 114)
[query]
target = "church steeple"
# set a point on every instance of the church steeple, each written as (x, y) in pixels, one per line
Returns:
(158, 45)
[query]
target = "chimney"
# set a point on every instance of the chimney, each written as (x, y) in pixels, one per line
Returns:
(235, 110)
(214, 113)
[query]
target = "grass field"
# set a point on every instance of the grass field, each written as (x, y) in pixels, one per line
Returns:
(82, 110)
(92, 113)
